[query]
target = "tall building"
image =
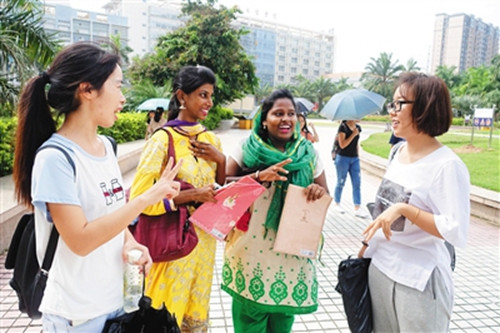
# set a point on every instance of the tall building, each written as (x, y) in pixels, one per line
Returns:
(463, 41)
(72, 25)
(148, 20)
(281, 53)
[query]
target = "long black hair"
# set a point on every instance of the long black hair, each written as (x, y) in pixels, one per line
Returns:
(75, 64)
(188, 80)
(158, 113)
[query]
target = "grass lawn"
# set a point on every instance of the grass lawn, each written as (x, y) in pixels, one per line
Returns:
(483, 162)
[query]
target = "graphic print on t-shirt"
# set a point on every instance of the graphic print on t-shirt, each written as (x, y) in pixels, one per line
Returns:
(388, 194)
(115, 190)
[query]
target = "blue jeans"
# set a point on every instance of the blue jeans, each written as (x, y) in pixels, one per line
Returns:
(57, 324)
(350, 165)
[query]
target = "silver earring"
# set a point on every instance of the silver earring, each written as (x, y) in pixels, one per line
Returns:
(264, 127)
(182, 107)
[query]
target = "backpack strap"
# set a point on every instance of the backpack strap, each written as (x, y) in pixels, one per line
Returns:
(62, 150)
(113, 143)
(54, 235)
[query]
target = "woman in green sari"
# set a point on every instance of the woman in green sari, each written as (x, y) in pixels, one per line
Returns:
(268, 287)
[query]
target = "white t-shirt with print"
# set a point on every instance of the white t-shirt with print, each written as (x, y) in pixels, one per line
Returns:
(438, 183)
(79, 288)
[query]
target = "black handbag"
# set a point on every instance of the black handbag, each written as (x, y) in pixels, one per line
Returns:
(145, 320)
(353, 285)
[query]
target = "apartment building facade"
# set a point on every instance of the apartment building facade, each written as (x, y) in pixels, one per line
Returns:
(280, 52)
(463, 41)
(71, 25)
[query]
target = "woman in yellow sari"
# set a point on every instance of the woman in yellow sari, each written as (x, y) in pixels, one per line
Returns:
(184, 285)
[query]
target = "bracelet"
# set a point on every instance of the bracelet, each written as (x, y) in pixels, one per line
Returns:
(257, 175)
(364, 243)
(416, 214)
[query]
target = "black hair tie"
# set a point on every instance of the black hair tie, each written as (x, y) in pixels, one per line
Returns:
(45, 77)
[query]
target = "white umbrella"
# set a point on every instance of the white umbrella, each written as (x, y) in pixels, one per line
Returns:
(352, 104)
(153, 103)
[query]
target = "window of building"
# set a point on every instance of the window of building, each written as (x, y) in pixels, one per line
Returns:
(101, 18)
(49, 10)
(83, 15)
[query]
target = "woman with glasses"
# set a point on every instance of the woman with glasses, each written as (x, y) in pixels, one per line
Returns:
(410, 276)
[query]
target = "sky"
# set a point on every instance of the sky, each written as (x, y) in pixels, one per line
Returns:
(362, 28)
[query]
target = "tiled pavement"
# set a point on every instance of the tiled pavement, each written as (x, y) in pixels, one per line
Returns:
(477, 276)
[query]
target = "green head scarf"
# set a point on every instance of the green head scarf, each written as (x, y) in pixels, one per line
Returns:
(259, 154)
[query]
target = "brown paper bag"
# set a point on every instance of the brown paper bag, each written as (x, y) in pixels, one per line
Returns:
(301, 223)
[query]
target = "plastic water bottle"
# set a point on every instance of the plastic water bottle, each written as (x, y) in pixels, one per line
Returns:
(132, 282)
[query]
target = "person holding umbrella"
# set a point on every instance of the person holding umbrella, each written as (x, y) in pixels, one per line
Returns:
(347, 162)
(426, 194)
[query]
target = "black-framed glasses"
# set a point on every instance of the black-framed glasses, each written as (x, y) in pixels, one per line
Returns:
(397, 105)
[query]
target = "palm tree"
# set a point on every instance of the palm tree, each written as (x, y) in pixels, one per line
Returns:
(381, 74)
(411, 66)
(25, 47)
(323, 89)
(123, 50)
(447, 74)
(261, 92)
(303, 89)
(144, 90)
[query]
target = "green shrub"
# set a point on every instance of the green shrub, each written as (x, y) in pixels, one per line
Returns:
(128, 127)
(226, 113)
(7, 143)
(216, 114)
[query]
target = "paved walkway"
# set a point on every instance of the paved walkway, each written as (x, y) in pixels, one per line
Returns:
(477, 277)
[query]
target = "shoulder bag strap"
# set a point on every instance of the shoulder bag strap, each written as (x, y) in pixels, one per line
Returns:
(171, 148)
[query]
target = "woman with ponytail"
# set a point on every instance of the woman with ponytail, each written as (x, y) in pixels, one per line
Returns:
(84, 202)
(184, 285)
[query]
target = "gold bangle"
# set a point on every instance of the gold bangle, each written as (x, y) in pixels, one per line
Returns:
(416, 214)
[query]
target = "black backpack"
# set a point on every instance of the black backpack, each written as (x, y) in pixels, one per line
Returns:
(29, 279)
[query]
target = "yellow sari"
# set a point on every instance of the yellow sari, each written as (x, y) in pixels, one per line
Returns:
(183, 285)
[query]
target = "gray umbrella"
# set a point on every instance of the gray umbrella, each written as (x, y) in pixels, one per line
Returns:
(303, 105)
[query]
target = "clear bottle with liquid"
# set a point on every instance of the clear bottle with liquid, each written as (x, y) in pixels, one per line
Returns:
(132, 282)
